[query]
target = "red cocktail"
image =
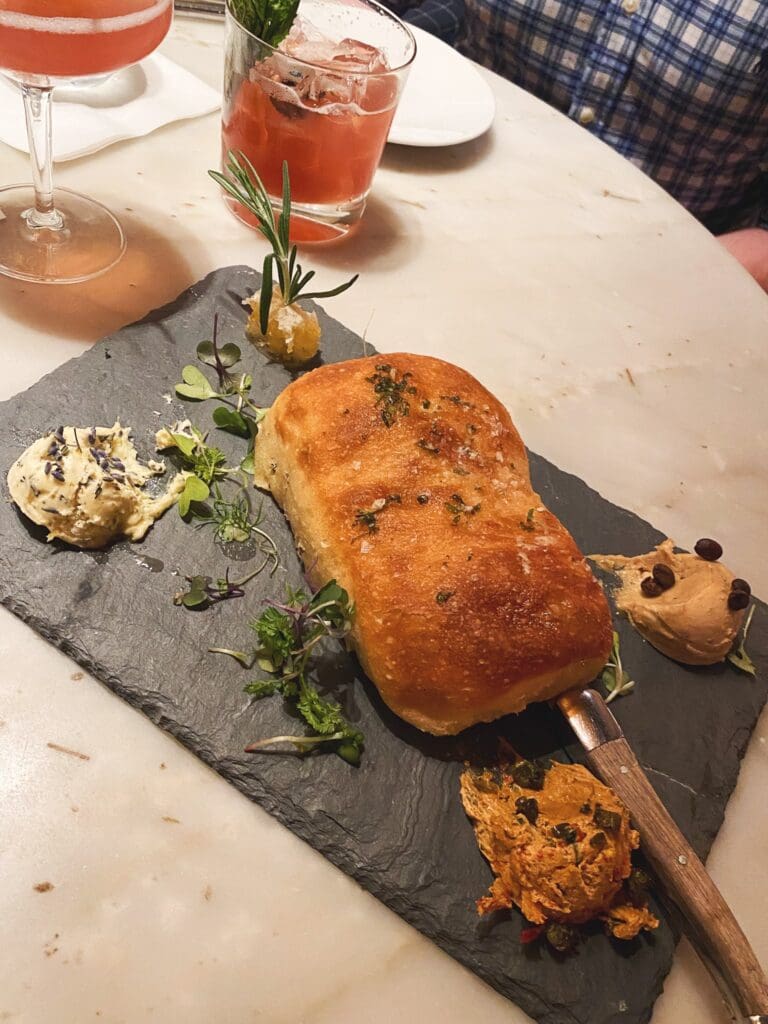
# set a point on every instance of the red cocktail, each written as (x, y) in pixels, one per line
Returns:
(75, 38)
(44, 43)
(323, 101)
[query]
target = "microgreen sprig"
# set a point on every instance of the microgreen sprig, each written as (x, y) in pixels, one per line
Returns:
(242, 182)
(738, 657)
(204, 464)
(239, 415)
(202, 591)
(615, 680)
(287, 634)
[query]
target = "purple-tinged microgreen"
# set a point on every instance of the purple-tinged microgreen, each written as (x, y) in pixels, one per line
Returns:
(203, 591)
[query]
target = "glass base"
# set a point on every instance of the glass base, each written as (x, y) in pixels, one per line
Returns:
(310, 222)
(88, 242)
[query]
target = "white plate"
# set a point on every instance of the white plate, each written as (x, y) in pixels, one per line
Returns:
(445, 101)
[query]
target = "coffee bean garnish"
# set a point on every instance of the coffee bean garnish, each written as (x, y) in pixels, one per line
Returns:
(663, 576)
(650, 587)
(708, 549)
(738, 599)
(738, 584)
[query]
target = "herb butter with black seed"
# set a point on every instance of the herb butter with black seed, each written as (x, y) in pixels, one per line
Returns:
(85, 486)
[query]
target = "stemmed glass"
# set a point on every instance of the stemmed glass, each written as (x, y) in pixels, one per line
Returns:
(65, 238)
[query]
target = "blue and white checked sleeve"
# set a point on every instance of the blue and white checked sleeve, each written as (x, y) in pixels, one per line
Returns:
(679, 87)
(441, 18)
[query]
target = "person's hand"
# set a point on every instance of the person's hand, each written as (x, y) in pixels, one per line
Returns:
(750, 247)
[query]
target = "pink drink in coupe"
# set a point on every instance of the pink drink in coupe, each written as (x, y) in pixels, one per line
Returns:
(44, 44)
(76, 38)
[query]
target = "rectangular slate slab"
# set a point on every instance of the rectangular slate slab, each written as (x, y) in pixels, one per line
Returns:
(396, 823)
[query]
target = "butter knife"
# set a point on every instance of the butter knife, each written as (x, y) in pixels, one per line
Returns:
(709, 922)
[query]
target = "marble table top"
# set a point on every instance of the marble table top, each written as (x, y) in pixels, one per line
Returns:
(137, 885)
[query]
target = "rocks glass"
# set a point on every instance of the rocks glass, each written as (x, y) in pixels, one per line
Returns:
(323, 101)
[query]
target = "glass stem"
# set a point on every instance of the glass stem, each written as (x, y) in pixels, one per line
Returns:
(37, 110)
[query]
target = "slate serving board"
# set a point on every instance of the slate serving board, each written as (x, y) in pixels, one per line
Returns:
(396, 823)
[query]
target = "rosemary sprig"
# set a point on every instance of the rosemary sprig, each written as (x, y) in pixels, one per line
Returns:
(615, 680)
(242, 182)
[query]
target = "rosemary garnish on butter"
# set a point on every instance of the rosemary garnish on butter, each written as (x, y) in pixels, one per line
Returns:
(242, 182)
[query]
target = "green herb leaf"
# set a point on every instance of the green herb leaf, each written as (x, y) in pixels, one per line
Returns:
(247, 464)
(613, 677)
(738, 657)
(284, 223)
(196, 595)
(229, 354)
(196, 385)
(195, 489)
(323, 716)
(185, 444)
(206, 354)
(390, 391)
(329, 294)
(262, 688)
(231, 420)
(276, 636)
(205, 461)
(265, 300)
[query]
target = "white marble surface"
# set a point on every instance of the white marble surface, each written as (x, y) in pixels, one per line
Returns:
(554, 271)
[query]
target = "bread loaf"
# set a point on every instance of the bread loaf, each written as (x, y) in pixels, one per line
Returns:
(405, 480)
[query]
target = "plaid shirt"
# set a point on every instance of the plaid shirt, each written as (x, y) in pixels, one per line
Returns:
(679, 87)
(443, 18)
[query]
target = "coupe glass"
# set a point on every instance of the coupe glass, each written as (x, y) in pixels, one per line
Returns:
(323, 101)
(66, 237)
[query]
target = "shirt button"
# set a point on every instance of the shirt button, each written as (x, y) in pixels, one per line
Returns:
(586, 115)
(630, 6)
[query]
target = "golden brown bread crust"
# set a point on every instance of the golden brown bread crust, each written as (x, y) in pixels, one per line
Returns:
(471, 598)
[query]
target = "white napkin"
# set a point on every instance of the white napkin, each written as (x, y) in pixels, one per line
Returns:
(130, 103)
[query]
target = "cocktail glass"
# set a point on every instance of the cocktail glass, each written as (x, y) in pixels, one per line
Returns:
(323, 101)
(66, 237)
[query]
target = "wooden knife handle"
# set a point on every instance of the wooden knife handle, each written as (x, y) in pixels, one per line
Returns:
(714, 929)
